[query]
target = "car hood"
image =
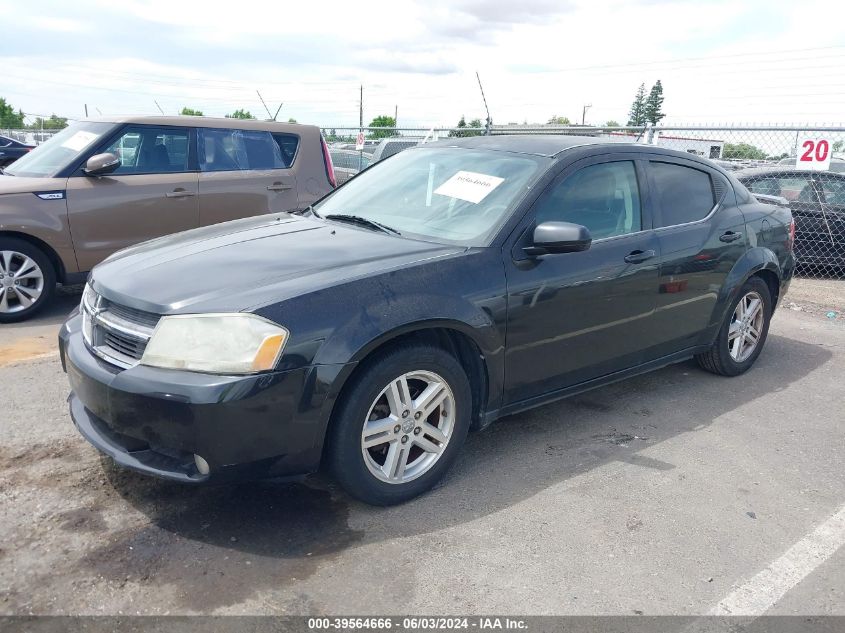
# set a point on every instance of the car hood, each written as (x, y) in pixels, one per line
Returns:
(248, 263)
(21, 184)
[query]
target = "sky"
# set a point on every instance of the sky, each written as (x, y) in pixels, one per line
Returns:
(720, 61)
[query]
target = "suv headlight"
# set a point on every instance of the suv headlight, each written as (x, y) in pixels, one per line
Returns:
(237, 343)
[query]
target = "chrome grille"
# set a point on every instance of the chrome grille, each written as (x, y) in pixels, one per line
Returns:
(116, 333)
(132, 315)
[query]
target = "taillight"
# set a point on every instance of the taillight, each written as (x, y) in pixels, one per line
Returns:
(792, 233)
(327, 159)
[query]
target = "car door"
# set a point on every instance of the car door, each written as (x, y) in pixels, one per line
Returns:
(573, 317)
(831, 187)
(152, 193)
(243, 173)
(811, 237)
(702, 235)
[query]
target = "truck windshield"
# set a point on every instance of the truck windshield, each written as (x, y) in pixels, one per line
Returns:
(61, 150)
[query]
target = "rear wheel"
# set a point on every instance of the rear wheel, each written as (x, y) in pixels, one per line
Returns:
(744, 332)
(27, 280)
(400, 424)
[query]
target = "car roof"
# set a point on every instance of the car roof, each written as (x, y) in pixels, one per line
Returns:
(548, 145)
(784, 170)
(206, 121)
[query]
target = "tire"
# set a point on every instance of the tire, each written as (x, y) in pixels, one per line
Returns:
(726, 357)
(21, 299)
(369, 466)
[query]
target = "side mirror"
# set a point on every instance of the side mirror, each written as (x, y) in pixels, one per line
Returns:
(101, 164)
(559, 237)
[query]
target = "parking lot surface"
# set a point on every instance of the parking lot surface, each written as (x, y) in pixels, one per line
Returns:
(678, 492)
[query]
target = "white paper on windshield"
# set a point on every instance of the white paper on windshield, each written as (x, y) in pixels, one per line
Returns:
(470, 186)
(79, 141)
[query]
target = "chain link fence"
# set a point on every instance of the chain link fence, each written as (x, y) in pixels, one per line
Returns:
(29, 136)
(805, 166)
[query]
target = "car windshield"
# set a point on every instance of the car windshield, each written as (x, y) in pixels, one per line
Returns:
(452, 195)
(62, 149)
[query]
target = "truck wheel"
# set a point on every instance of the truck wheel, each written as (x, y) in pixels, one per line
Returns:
(27, 280)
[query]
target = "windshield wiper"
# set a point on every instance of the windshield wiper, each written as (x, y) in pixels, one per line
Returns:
(360, 221)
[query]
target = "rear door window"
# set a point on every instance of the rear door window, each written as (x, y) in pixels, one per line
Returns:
(684, 194)
(238, 150)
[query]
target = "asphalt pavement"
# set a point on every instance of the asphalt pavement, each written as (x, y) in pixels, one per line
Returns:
(678, 492)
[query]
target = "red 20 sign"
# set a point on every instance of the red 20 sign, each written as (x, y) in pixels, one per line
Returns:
(813, 154)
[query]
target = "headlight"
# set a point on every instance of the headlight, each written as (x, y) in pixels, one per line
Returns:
(216, 343)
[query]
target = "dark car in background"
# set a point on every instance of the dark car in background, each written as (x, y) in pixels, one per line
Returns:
(437, 291)
(99, 186)
(11, 150)
(347, 163)
(817, 200)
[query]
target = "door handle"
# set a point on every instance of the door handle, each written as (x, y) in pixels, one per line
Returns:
(636, 257)
(277, 186)
(730, 236)
(179, 193)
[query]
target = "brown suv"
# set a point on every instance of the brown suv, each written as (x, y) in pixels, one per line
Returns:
(101, 185)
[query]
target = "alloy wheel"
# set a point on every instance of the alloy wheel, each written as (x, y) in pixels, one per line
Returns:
(408, 427)
(746, 327)
(21, 282)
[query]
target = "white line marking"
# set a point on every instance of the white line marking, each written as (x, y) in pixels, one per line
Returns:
(764, 590)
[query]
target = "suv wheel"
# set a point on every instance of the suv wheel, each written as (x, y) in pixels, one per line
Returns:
(401, 424)
(27, 280)
(744, 332)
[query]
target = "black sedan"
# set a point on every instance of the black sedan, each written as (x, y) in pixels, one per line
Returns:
(445, 287)
(817, 200)
(11, 150)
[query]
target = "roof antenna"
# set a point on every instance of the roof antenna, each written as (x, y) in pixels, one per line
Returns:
(483, 98)
(279, 109)
(158, 106)
(264, 104)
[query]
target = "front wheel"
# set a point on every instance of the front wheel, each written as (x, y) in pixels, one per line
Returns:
(401, 424)
(27, 280)
(742, 336)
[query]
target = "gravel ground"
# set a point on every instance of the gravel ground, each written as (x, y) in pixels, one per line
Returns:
(658, 495)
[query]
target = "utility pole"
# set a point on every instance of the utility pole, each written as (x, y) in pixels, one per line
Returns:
(584, 113)
(361, 109)
(86, 110)
(396, 116)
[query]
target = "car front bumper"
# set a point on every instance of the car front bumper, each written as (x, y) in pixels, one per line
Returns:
(156, 420)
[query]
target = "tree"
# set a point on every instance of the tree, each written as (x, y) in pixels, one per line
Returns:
(53, 123)
(8, 117)
(240, 114)
(654, 104)
(742, 150)
(191, 112)
(612, 123)
(559, 120)
(636, 116)
(384, 121)
(291, 120)
(838, 146)
(462, 124)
